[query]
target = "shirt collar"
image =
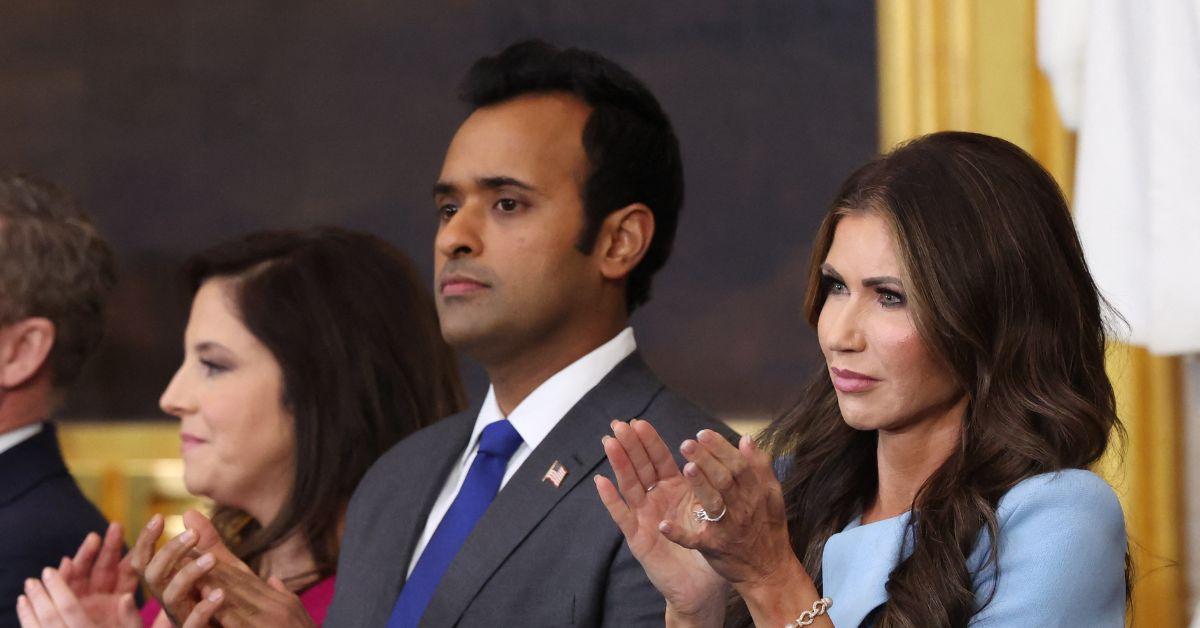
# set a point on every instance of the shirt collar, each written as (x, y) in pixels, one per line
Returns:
(539, 412)
(8, 440)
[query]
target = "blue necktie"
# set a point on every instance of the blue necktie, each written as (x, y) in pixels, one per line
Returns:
(496, 445)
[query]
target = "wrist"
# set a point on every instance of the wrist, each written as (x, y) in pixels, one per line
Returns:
(783, 593)
(711, 614)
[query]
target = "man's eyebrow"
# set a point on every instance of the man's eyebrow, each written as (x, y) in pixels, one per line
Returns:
(494, 183)
(443, 188)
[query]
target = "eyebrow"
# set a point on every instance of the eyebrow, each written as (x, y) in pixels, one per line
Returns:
(490, 183)
(209, 345)
(869, 282)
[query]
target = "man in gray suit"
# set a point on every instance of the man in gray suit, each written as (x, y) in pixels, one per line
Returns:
(558, 201)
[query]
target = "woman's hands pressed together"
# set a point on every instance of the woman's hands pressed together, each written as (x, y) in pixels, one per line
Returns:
(196, 578)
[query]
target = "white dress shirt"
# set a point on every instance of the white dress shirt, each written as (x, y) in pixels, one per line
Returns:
(8, 440)
(533, 419)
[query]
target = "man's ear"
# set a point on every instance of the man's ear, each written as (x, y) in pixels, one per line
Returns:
(624, 239)
(24, 347)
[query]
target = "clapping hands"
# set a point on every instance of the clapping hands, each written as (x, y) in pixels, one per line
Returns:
(718, 522)
(194, 576)
(93, 588)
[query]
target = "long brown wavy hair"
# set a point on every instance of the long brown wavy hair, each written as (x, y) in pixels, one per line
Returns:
(1000, 291)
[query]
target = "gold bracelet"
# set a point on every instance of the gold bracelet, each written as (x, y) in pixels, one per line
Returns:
(808, 617)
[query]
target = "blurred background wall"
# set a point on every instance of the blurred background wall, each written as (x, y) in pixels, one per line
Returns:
(182, 123)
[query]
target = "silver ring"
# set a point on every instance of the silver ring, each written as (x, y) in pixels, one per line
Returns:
(702, 515)
(652, 487)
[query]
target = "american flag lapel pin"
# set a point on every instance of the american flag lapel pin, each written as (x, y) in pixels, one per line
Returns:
(555, 474)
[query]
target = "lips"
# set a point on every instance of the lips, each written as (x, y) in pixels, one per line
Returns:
(847, 381)
(460, 285)
(188, 442)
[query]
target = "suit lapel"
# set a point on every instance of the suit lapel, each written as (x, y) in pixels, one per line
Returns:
(420, 479)
(526, 499)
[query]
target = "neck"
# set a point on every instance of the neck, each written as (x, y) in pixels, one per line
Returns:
(521, 372)
(906, 458)
(290, 561)
(24, 406)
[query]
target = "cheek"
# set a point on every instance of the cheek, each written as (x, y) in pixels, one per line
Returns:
(824, 318)
(911, 365)
(248, 431)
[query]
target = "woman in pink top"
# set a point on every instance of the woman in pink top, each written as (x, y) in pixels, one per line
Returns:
(306, 356)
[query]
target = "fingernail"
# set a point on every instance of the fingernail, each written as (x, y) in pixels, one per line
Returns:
(216, 595)
(688, 446)
(47, 574)
(29, 584)
(153, 521)
(614, 424)
(187, 537)
(205, 561)
(22, 600)
(691, 470)
(604, 439)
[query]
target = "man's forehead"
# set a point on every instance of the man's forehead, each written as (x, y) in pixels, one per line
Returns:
(525, 138)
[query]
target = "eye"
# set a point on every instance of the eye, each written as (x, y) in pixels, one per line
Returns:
(212, 368)
(890, 298)
(507, 205)
(447, 211)
(834, 286)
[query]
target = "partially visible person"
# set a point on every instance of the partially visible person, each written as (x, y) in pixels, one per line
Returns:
(56, 272)
(936, 471)
(306, 356)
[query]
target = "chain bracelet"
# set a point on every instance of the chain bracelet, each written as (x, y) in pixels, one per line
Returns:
(808, 617)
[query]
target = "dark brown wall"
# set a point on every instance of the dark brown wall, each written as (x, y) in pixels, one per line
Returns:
(180, 123)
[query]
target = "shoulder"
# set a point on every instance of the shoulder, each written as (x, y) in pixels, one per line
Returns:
(1060, 556)
(417, 448)
(1070, 498)
(676, 418)
(58, 516)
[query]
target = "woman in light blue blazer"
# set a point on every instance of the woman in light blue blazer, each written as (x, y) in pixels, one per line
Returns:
(935, 472)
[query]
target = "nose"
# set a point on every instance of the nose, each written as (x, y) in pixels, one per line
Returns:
(460, 235)
(843, 331)
(174, 400)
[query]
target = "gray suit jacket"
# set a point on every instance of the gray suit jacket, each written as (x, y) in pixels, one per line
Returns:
(540, 555)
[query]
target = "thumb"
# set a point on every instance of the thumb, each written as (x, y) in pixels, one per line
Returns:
(209, 540)
(127, 612)
(278, 584)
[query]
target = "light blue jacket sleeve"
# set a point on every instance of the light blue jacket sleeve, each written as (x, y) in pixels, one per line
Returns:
(1061, 556)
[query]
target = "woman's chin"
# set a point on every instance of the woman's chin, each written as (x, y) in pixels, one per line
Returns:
(865, 421)
(197, 485)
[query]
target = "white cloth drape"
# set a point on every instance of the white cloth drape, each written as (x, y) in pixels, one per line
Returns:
(1126, 75)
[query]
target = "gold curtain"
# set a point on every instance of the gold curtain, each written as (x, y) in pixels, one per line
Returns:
(971, 65)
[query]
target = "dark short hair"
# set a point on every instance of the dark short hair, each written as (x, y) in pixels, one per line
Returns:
(630, 144)
(53, 264)
(356, 336)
